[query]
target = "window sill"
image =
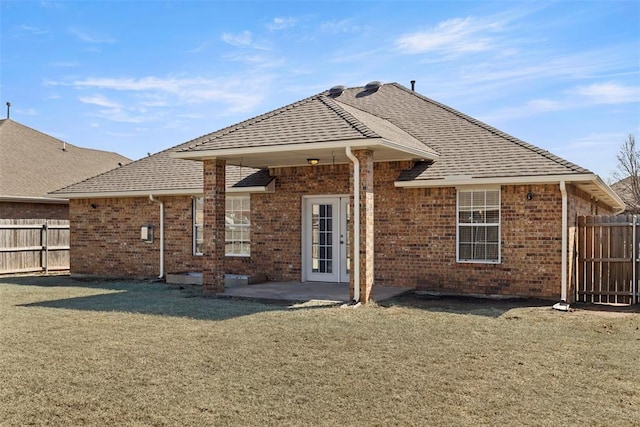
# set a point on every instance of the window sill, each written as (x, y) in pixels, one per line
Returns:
(477, 261)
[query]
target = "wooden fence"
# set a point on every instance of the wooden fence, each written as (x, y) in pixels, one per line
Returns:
(30, 245)
(607, 259)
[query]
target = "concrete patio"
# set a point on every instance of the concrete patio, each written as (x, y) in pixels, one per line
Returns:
(306, 291)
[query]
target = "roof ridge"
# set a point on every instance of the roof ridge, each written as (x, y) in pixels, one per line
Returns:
(545, 153)
(348, 117)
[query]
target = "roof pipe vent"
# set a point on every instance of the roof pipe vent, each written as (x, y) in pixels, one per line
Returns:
(336, 90)
(373, 86)
(413, 85)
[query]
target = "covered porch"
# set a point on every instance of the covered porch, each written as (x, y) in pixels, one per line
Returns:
(306, 291)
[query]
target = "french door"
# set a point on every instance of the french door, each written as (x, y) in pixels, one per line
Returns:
(326, 239)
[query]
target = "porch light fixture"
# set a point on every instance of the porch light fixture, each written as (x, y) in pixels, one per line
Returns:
(313, 162)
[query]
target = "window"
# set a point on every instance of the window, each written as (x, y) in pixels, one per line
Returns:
(237, 226)
(479, 226)
(198, 221)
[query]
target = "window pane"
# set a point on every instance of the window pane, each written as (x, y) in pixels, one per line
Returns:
(198, 221)
(478, 225)
(237, 225)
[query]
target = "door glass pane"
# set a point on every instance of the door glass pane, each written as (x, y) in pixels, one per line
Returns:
(321, 238)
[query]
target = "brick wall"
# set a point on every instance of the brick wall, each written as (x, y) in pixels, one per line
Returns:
(10, 210)
(276, 220)
(105, 237)
(415, 234)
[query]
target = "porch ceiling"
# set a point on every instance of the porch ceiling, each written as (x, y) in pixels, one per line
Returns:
(297, 154)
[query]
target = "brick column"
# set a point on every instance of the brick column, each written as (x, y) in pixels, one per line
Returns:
(366, 223)
(213, 227)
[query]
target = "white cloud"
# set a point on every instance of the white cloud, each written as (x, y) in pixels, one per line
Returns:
(145, 99)
(279, 23)
(340, 27)
(100, 101)
(90, 38)
(458, 35)
(63, 64)
(243, 39)
(609, 93)
(33, 31)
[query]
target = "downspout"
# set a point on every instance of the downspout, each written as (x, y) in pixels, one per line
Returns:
(356, 224)
(161, 275)
(563, 304)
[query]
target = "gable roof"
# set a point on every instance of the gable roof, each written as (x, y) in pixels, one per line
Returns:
(318, 126)
(448, 147)
(33, 163)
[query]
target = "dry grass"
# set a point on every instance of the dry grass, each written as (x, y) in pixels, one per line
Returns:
(76, 353)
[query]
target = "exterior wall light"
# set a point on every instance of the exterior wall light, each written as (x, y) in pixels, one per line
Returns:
(313, 162)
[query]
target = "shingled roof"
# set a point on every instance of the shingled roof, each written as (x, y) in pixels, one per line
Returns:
(454, 143)
(33, 163)
(391, 120)
(159, 174)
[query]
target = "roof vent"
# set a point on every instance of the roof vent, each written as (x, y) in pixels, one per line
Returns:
(336, 90)
(372, 86)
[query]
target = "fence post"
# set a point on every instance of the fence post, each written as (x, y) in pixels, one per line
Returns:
(634, 288)
(46, 246)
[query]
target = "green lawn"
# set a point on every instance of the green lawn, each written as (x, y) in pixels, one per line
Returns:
(118, 353)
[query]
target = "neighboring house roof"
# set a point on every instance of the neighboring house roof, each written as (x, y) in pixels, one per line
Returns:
(33, 164)
(625, 189)
(394, 122)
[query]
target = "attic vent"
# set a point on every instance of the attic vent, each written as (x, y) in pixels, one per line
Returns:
(373, 86)
(336, 90)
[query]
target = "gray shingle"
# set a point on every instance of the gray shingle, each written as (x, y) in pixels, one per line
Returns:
(33, 163)
(465, 146)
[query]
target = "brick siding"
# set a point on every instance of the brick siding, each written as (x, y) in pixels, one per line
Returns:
(415, 234)
(11, 210)
(105, 237)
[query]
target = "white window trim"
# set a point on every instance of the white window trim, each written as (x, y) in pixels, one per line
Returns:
(479, 188)
(248, 226)
(194, 224)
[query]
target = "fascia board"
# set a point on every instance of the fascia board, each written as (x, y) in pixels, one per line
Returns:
(456, 181)
(181, 192)
(614, 199)
(420, 154)
(25, 199)
(270, 149)
(136, 193)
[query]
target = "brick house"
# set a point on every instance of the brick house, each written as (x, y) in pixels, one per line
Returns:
(32, 164)
(375, 185)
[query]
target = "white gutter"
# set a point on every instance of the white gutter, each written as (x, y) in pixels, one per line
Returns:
(356, 224)
(161, 275)
(565, 223)
(590, 183)
(23, 199)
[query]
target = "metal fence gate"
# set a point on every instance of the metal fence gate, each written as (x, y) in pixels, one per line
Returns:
(607, 259)
(33, 245)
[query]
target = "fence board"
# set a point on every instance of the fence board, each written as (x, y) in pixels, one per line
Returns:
(607, 263)
(31, 245)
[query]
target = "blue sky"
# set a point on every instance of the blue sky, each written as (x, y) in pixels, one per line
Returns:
(141, 76)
